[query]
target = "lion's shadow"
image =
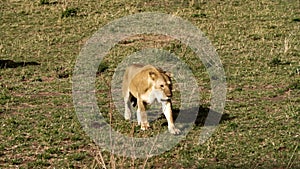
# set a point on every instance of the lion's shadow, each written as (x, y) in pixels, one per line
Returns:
(204, 116)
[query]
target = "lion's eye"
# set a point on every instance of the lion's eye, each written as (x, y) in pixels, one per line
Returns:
(162, 86)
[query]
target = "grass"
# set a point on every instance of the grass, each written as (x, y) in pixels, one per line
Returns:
(258, 43)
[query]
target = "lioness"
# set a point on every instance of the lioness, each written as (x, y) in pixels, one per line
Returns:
(147, 84)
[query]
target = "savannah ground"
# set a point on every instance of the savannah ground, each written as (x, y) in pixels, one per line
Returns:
(257, 41)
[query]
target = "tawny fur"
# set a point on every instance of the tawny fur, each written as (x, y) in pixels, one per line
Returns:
(147, 84)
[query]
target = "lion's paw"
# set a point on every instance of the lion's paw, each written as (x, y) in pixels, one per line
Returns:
(174, 130)
(145, 126)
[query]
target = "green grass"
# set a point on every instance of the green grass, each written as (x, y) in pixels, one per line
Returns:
(258, 43)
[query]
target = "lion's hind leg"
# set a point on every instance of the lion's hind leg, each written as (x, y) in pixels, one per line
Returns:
(127, 103)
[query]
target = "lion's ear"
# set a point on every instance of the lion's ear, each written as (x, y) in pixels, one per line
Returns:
(152, 75)
(169, 74)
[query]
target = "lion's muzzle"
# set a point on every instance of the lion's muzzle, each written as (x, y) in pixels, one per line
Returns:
(165, 100)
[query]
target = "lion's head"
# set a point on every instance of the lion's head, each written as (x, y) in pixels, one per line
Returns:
(161, 85)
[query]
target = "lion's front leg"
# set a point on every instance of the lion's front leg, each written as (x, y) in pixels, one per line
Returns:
(142, 115)
(167, 110)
